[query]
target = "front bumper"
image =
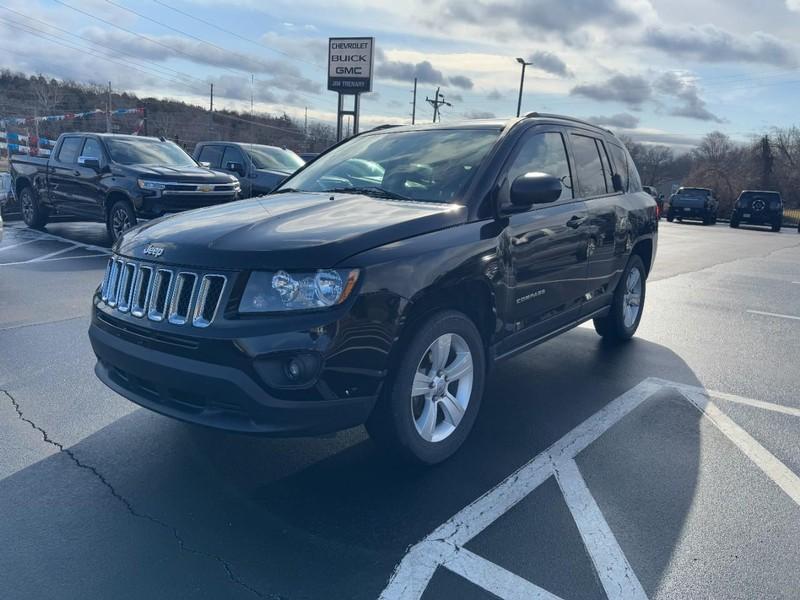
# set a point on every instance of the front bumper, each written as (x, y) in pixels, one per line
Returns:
(214, 382)
(155, 206)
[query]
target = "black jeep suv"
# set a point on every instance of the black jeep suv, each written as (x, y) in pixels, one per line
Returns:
(383, 296)
(758, 208)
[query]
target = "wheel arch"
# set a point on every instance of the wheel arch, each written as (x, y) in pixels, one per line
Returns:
(21, 183)
(114, 196)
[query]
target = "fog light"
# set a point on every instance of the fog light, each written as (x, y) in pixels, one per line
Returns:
(294, 369)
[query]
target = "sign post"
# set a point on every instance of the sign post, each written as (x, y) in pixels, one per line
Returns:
(350, 62)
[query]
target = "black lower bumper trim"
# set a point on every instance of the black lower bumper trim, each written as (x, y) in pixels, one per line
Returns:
(213, 395)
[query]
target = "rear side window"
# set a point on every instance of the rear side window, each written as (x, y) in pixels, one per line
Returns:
(541, 153)
(69, 149)
(211, 155)
(622, 164)
(591, 178)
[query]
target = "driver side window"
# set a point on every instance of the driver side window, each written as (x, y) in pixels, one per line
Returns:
(541, 153)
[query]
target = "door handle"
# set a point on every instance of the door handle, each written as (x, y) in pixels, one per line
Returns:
(576, 222)
(76, 173)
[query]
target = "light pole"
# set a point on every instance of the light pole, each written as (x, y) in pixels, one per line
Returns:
(521, 82)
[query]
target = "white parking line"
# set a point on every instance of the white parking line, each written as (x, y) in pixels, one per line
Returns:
(769, 314)
(19, 244)
(615, 572)
(445, 545)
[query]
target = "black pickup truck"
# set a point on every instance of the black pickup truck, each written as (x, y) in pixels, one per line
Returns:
(114, 179)
(384, 295)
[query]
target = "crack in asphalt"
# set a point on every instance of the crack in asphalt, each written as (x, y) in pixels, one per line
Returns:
(184, 547)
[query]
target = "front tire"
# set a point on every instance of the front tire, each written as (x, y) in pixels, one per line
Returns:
(626, 310)
(33, 213)
(121, 217)
(432, 399)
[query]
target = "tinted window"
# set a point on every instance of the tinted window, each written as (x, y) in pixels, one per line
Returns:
(541, 153)
(591, 178)
(232, 154)
(69, 149)
(619, 164)
(606, 167)
(211, 155)
(634, 183)
(92, 149)
(433, 165)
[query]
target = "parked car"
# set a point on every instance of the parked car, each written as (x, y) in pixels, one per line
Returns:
(6, 192)
(659, 198)
(114, 179)
(758, 208)
(335, 302)
(693, 203)
(259, 169)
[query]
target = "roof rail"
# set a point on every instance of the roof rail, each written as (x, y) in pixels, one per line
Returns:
(385, 126)
(565, 118)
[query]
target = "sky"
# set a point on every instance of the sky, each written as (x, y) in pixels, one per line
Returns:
(659, 71)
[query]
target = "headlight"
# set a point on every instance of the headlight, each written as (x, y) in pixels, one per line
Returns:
(282, 291)
(146, 184)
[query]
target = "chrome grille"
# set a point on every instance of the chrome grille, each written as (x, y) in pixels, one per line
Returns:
(162, 293)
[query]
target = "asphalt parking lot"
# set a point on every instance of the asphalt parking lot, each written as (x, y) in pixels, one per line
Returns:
(666, 468)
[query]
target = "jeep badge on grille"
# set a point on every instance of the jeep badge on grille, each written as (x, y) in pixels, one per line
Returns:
(153, 250)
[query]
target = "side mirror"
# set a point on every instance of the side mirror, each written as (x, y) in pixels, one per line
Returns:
(535, 188)
(90, 162)
(205, 163)
(236, 167)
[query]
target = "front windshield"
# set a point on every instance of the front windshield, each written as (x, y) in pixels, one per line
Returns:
(432, 165)
(276, 159)
(142, 151)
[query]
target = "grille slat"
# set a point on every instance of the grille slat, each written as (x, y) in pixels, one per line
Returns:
(161, 293)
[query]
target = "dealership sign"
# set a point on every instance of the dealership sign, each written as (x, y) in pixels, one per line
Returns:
(350, 64)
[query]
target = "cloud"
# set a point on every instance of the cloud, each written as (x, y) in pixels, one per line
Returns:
(494, 95)
(460, 81)
(550, 63)
(547, 16)
(692, 107)
(479, 114)
(455, 97)
(633, 90)
(709, 43)
(793, 5)
(424, 71)
(620, 120)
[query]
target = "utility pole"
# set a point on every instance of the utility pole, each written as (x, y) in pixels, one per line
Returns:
(305, 124)
(766, 163)
(438, 100)
(414, 103)
(108, 110)
(211, 111)
(252, 92)
(144, 119)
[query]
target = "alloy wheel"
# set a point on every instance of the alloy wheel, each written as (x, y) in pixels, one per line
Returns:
(632, 301)
(120, 222)
(442, 387)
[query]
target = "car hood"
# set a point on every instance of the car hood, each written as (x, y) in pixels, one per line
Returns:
(286, 231)
(182, 174)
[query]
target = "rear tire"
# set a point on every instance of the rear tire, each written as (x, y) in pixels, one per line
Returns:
(776, 227)
(670, 218)
(33, 213)
(445, 352)
(626, 310)
(121, 217)
(734, 223)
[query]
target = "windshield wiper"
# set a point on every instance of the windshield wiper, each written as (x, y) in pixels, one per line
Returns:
(374, 191)
(284, 191)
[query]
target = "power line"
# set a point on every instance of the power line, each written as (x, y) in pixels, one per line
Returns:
(237, 35)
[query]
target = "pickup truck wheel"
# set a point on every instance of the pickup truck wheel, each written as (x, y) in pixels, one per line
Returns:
(120, 218)
(670, 218)
(776, 227)
(432, 399)
(33, 213)
(626, 309)
(734, 223)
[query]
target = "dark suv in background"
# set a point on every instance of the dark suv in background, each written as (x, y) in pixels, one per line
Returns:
(380, 296)
(259, 169)
(758, 208)
(693, 203)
